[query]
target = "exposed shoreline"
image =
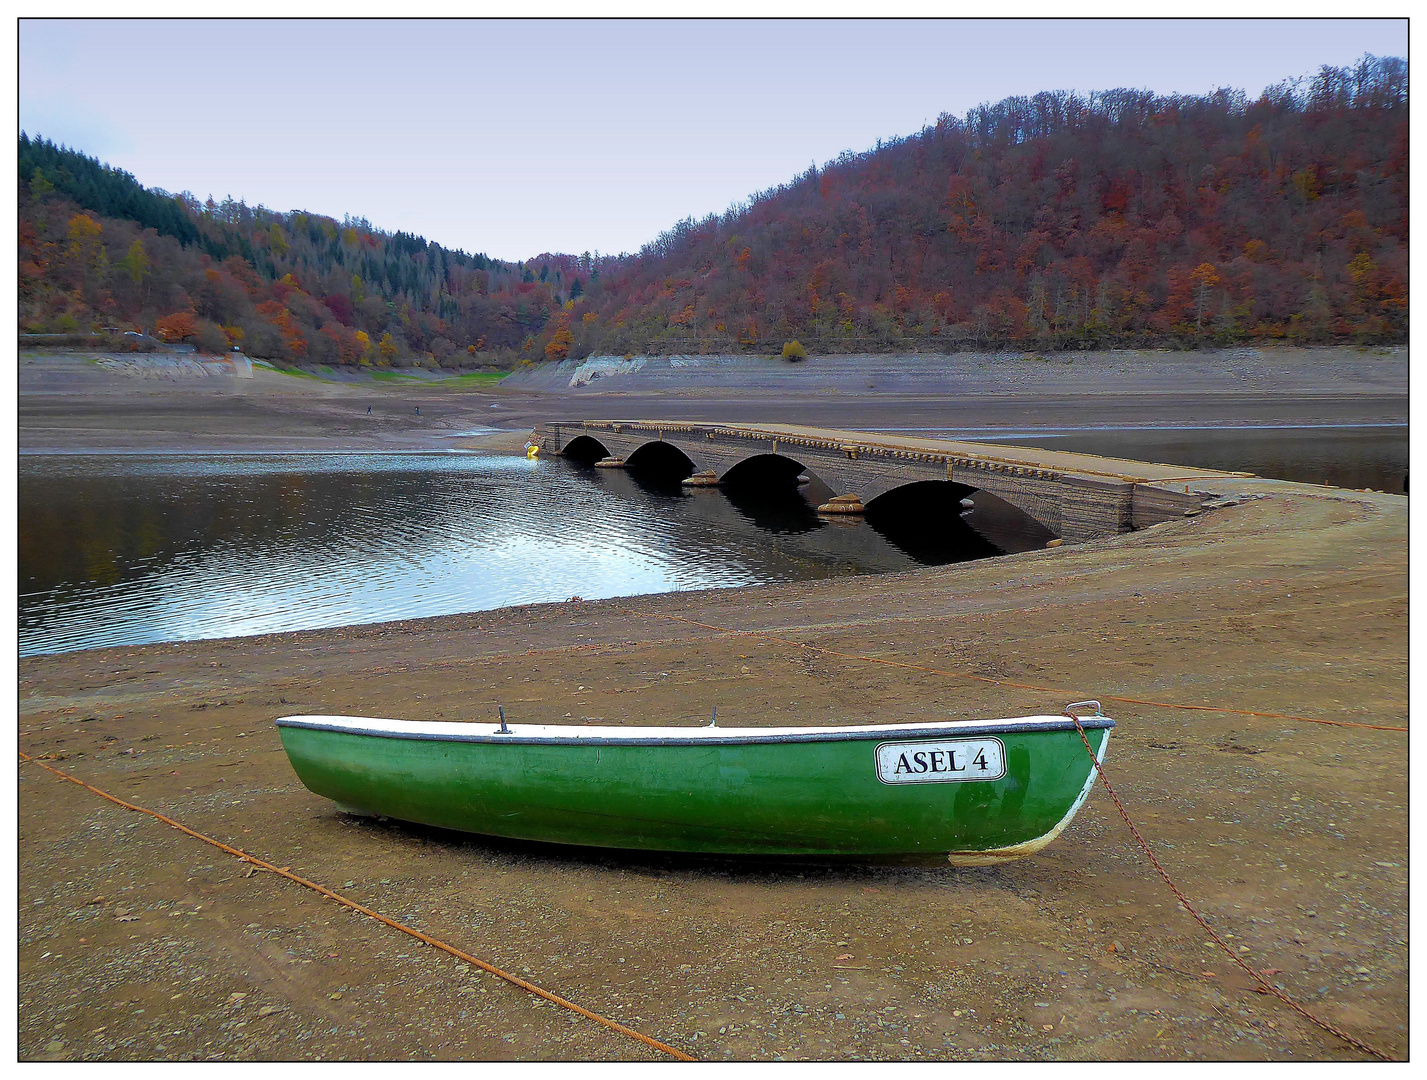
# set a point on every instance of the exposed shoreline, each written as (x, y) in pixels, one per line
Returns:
(68, 403)
(1292, 835)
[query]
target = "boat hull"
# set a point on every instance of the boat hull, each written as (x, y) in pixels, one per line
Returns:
(827, 795)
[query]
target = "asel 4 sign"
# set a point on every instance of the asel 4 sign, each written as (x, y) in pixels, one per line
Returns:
(940, 762)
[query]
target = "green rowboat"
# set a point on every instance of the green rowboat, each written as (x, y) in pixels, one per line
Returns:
(971, 792)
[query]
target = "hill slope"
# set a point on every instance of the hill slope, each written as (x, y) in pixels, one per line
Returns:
(1055, 221)
(1037, 223)
(98, 249)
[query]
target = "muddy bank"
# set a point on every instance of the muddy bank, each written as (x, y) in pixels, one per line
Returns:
(68, 403)
(136, 942)
(72, 402)
(1279, 370)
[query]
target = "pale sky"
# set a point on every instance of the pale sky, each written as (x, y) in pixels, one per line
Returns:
(514, 138)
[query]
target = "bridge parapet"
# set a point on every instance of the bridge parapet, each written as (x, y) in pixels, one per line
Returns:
(1076, 496)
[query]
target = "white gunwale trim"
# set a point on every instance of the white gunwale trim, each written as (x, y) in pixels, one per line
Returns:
(571, 734)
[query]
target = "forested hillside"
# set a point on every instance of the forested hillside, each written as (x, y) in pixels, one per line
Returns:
(1056, 221)
(99, 250)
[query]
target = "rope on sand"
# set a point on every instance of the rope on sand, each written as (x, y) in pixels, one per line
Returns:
(436, 943)
(1264, 986)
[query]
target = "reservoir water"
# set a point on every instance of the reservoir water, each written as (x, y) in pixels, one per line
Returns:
(133, 549)
(1350, 455)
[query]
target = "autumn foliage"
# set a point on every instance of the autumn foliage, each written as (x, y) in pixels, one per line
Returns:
(179, 326)
(97, 249)
(1055, 221)
(558, 347)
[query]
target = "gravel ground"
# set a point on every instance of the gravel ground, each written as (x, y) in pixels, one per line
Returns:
(136, 942)
(68, 403)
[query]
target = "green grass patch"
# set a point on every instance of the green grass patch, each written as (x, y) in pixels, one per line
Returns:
(393, 376)
(478, 377)
(296, 373)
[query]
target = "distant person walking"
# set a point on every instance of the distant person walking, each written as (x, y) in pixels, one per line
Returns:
(369, 410)
(418, 410)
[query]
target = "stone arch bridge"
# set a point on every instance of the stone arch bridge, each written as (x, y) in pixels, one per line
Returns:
(1076, 496)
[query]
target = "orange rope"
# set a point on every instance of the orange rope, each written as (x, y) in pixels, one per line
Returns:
(998, 682)
(1267, 987)
(345, 902)
(771, 636)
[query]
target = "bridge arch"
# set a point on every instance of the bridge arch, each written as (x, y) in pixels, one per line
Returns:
(763, 470)
(584, 448)
(918, 490)
(937, 507)
(661, 458)
(1076, 497)
(925, 520)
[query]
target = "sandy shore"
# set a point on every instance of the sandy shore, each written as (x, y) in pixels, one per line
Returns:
(67, 403)
(133, 939)
(137, 942)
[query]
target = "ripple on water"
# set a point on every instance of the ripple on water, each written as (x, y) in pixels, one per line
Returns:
(141, 549)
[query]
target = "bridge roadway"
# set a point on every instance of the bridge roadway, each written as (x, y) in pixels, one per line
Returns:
(1078, 497)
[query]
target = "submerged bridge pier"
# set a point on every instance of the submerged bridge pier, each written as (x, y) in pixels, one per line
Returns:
(1077, 497)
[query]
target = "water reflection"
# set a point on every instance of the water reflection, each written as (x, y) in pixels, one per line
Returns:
(116, 550)
(928, 523)
(139, 549)
(783, 510)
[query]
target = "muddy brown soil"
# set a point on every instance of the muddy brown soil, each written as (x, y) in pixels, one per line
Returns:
(68, 403)
(138, 942)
